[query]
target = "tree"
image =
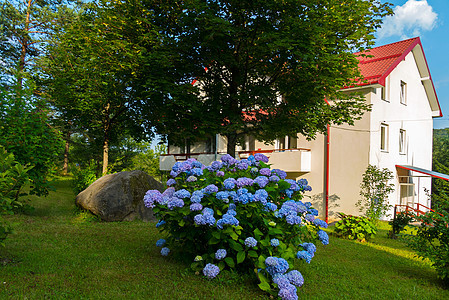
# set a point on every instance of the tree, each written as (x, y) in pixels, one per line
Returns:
(25, 26)
(374, 191)
(440, 163)
(92, 67)
(264, 67)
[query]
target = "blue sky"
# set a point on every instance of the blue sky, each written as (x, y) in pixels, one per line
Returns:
(428, 19)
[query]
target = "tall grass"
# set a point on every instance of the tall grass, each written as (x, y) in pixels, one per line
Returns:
(58, 253)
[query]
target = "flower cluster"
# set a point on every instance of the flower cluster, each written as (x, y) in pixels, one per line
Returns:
(244, 212)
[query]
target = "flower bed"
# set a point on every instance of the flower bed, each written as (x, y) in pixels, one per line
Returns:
(239, 215)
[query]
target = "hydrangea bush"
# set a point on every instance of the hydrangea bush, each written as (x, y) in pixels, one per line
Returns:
(239, 214)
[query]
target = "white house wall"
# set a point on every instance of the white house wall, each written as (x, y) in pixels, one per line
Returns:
(415, 117)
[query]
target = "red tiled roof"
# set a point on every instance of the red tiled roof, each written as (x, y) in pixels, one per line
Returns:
(383, 60)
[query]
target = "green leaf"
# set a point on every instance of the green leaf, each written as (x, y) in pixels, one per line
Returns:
(236, 246)
(252, 253)
(230, 262)
(265, 286)
(240, 257)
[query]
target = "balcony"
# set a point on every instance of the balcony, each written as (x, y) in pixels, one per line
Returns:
(298, 160)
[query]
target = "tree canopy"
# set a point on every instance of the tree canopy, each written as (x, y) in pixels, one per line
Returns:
(263, 67)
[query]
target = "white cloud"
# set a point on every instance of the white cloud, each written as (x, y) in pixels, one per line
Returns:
(409, 20)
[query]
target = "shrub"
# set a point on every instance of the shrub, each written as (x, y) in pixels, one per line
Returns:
(13, 176)
(432, 239)
(83, 177)
(374, 191)
(399, 222)
(239, 215)
(355, 228)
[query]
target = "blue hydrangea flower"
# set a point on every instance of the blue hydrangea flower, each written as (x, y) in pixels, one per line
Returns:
(310, 248)
(295, 278)
(280, 173)
(175, 202)
(274, 178)
(211, 188)
(261, 196)
(228, 160)
(309, 217)
(220, 174)
(160, 242)
(271, 206)
(323, 237)
(169, 192)
(313, 211)
(293, 219)
(208, 211)
(196, 197)
(320, 223)
(274, 242)
(281, 280)
(222, 195)
(211, 271)
(160, 223)
(229, 183)
(196, 207)
(181, 194)
(244, 181)
(293, 185)
(216, 165)
(165, 251)
(220, 254)
(304, 255)
(250, 242)
(282, 266)
(191, 178)
(199, 219)
(171, 182)
(262, 181)
(197, 171)
(242, 165)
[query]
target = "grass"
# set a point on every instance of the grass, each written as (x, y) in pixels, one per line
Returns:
(57, 253)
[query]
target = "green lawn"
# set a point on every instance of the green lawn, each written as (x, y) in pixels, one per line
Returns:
(54, 254)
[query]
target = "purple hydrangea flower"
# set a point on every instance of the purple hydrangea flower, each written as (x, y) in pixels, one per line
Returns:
(152, 196)
(191, 178)
(288, 293)
(228, 160)
(265, 172)
(174, 202)
(220, 254)
(281, 280)
(309, 217)
(220, 174)
(244, 181)
(216, 165)
(280, 173)
(169, 192)
(274, 178)
(171, 182)
(260, 157)
(250, 242)
(211, 271)
(242, 165)
(211, 188)
(165, 251)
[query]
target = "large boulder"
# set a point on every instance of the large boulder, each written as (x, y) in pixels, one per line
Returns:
(119, 196)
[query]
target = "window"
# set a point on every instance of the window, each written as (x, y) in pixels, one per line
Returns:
(384, 91)
(402, 141)
(403, 92)
(384, 137)
(383, 94)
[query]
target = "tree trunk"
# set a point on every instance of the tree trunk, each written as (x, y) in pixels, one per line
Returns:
(65, 166)
(105, 156)
(231, 143)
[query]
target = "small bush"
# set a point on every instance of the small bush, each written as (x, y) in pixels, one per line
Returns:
(432, 239)
(238, 215)
(83, 177)
(13, 176)
(399, 222)
(355, 228)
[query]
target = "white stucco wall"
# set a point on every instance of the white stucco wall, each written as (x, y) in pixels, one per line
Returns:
(415, 117)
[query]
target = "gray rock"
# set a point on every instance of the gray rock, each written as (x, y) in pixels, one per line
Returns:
(119, 196)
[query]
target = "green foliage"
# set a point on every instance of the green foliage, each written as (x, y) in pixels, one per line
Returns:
(432, 239)
(83, 176)
(25, 130)
(355, 228)
(147, 160)
(399, 222)
(252, 223)
(374, 191)
(255, 53)
(440, 163)
(13, 177)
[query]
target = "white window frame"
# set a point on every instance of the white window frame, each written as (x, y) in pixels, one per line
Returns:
(384, 135)
(403, 93)
(402, 140)
(385, 90)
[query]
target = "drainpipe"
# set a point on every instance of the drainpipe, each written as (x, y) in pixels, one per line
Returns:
(326, 192)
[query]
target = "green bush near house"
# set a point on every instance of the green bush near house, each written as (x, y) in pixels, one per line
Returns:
(354, 228)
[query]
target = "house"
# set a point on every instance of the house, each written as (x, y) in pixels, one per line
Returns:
(396, 134)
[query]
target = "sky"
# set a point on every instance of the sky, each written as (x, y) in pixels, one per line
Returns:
(429, 20)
